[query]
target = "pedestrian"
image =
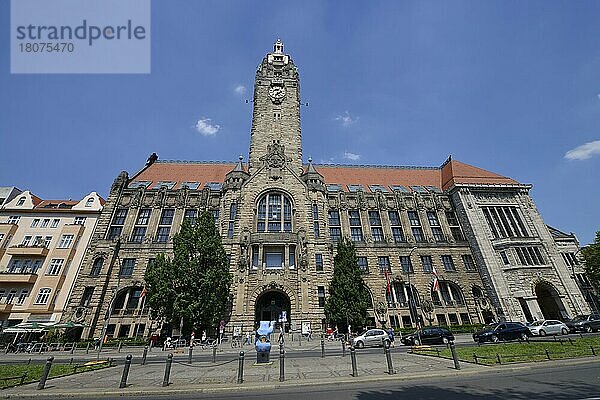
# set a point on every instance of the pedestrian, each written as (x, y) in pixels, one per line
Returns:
(203, 337)
(247, 339)
(192, 337)
(309, 334)
(96, 343)
(390, 333)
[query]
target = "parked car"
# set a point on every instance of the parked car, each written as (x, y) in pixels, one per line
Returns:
(502, 331)
(548, 327)
(431, 335)
(585, 323)
(372, 337)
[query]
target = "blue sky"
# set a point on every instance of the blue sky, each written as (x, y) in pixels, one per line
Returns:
(509, 86)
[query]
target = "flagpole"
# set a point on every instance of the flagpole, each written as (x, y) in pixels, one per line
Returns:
(412, 307)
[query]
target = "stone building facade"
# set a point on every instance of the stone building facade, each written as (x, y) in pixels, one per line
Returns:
(42, 244)
(281, 218)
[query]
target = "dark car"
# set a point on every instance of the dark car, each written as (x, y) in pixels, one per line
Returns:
(502, 331)
(432, 335)
(585, 323)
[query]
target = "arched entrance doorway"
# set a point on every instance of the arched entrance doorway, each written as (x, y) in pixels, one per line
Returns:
(549, 301)
(273, 305)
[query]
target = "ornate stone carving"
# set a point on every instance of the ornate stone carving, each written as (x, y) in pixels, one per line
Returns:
(275, 160)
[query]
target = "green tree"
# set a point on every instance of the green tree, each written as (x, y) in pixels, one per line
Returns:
(195, 284)
(348, 298)
(591, 257)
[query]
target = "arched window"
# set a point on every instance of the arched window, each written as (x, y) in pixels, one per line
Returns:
(274, 213)
(448, 295)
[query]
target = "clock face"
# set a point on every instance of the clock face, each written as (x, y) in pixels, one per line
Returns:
(277, 93)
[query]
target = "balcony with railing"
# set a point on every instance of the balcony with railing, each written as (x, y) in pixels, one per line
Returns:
(17, 276)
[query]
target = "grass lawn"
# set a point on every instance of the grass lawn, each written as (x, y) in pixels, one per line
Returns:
(521, 351)
(34, 372)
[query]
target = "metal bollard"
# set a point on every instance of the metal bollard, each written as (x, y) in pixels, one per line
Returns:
(498, 358)
(46, 372)
(300, 338)
(144, 355)
(214, 358)
(383, 341)
(454, 355)
(120, 345)
(281, 363)
(87, 348)
(322, 348)
(343, 347)
(125, 372)
(168, 370)
(475, 358)
(593, 351)
(388, 357)
(240, 378)
(73, 347)
(547, 354)
(353, 357)
(191, 351)
(71, 361)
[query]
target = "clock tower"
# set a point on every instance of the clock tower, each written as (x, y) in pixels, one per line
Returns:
(276, 113)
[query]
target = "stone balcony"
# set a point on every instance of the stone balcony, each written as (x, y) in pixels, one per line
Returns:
(20, 250)
(17, 277)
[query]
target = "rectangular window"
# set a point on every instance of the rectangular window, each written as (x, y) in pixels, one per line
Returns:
(166, 217)
(43, 296)
(505, 221)
(427, 263)
(35, 222)
(45, 223)
(354, 217)
(504, 257)
(114, 232)
(138, 235)
(255, 257)
(394, 218)
(230, 227)
(376, 230)
(143, 216)
(14, 219)
(321, 295)
(413, 217)
(216, 214)
(448, 263)
(437, 233)
(232, 211)
(384, 264)
(432, 218)
(10, 297)
(335, 230)
(415, 224)
(406, 264)
(79, 221)
(55, 266)
(26, 241)
(36, 266)
(292, 256)
(97, 266)
(356, 234)
(273, 257)
(162, 234)
(127, 266)
(22, 296)
(418, 234)
(191, 215)
(55, 223)
(363, 265)
(65, 242)
(319, 261)
(315, 216)
(86, 299)
(469, 263)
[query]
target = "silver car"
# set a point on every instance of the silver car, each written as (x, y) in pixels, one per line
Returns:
(372, 337)
(548, 327)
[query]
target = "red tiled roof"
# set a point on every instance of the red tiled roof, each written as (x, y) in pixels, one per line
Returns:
(444, 177)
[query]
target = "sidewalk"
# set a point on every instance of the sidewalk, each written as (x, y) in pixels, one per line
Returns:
(205, 376)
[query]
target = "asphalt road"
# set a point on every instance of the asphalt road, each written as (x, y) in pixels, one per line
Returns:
(576, 381)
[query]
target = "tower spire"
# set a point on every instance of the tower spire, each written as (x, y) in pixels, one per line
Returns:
(278, 46)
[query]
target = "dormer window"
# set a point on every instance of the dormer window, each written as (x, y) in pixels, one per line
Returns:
(89, 202)
(21, 201)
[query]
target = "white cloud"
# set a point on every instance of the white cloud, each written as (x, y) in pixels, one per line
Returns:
(240, 90)
(206, 128)
(351, 156)
(584, 151)
(346, 119)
